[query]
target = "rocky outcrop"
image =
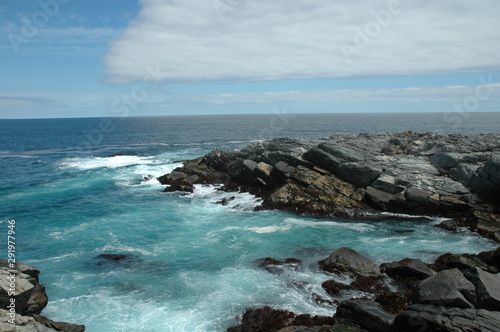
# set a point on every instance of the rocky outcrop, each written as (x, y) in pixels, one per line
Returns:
(407, 269)
(22, 298)
(355, 175)
(454, 301)
(346, 260)
(367, 314)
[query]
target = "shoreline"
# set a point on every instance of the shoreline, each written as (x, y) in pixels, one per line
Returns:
(353, 175)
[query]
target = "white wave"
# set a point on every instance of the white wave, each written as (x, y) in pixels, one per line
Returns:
(87, 163)
(400, 239)
(362, 227)
(143, 175)
(52, 259)
(123, 248)
(203, 191)
(235, 201)
(269, 229)
(408, 216)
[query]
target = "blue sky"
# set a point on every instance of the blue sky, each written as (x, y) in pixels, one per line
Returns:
(76, 58)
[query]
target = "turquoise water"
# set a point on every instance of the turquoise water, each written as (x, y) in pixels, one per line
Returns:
(194, 263)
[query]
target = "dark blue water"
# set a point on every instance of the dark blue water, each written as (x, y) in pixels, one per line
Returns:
(195, 267)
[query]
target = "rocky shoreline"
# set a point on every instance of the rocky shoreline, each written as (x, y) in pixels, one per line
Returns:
(456, 293)
(360, 175)
(23, 314)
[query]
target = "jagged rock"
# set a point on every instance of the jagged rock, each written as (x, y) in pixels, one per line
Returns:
(448, 288)
(278, 267)
(22, 323)
(58, 326)
(462, 262)
(23, 268)
(30, 295)
(351, 174)
(346, 260)
(116, 257)
(487, 288)
(270, 319)
(449, 225)
(421, 317)
(364, 313)
(491, 259)
(487, 180)
(407, 268)
(333, 287)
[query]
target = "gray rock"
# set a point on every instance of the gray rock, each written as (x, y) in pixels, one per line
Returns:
(445, 160)
(364, 313)
(487, 288)
(448, 288)
(22, 324)
(58, 326)
(408, 268)
(487, 180)
(431, 318)
(22, 285)
(23, 268)
(346, 260)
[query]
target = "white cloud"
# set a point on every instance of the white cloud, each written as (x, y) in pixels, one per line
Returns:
(447, 94)
(192, 41)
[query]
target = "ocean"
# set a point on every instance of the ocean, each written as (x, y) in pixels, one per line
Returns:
(194, 261)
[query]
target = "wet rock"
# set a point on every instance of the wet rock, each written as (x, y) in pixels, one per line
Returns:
(225, 201)
(448, 288)
(423, 317)
(449, 225)
(367, 314)
(278, 267)
(270, 319)
(462, 262)
(346, 260)
(333, 287)
(407, 269)
(487, 288)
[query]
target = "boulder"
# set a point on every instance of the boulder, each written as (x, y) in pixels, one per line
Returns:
(333, 287)
(58, 326)
(448, 288)
(22, 324)
(364, 313)
(278, 267)
(20, 284)
(23, 268)
(271, 319)
(486, 181)
(426, 317)
(487, 288)
(349, 261)
(460, 261)
(407, 269)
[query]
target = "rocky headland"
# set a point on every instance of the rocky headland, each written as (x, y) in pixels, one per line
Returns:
(22, 299)
(361, 175)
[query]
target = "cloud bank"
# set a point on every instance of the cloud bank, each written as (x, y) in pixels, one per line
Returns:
(254, 40)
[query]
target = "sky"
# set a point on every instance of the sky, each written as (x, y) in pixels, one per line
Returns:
(104, 58)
